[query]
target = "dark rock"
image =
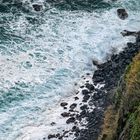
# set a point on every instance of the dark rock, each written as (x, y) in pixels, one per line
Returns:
(70, 120)
(71, 110)
(74, 127)
(98, 94)
(76, 135)
(90, 103)
(51, 136)
(71, 115)
(86, 98)
(81, 86)
(122, 14)
(128, 33)
(57, 135)
(65, 114)
(53, 123)
(76, 98)
(98, 79)
(77, 92)
(89, 86)
(37, 7)
(64, 104)
(96, 63)
(84, 92)
(63, 135)
(83, 113)
(84, 107)
(88, 73)
(73, 106)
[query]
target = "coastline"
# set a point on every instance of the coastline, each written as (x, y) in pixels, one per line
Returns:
(40, 99)
(122, 117)
(99, 95)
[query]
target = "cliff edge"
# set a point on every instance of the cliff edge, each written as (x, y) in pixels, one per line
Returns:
(122, 117)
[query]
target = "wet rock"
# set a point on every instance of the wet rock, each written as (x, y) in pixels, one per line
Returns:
(65, 114)
(86, 98)
(85, 92)
(90, 103)
(37, 7)
(72, 115)
(96, 63)
(99, 94)
(51, 136)
(98, 79)
(76, 134)
(74, 127)
(63, 135)
(57, 135)
(84, 107)
(128, 33)
(70, 120)
(71, 110)
(77, 92)
(76, 98)
(63, 104)
(53, 123)
(122, 14)
(81, 86)
(73, 106)
(83, 114)
(89, 86)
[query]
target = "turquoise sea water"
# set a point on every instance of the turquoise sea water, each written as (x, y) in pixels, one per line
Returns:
(43, 54)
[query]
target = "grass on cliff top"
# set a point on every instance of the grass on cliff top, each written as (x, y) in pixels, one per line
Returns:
(128, 98)
(134, 124)
(132, 79)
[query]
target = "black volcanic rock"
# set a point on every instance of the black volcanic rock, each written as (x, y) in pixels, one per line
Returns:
(37, 7)
(70, 120)
(89, 86)
(122, 14)
(63, 104)
(73, 106)
(65, 114)
(85, 92)
(86, 98)
(51, 136)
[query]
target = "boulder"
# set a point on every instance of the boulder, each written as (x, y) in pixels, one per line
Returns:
(37, 7)
(122, 14)
(63, 104)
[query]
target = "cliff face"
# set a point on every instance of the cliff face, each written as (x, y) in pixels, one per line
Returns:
(122, 118)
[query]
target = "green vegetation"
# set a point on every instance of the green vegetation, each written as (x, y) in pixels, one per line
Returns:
(132, 79)
(122, 119)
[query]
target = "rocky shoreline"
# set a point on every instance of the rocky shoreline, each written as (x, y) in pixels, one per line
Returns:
(97, 96)
(122, 116)
(86, 113)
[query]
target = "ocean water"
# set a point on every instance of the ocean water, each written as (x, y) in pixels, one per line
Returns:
(43, 56)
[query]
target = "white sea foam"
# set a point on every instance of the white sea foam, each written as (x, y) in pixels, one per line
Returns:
(44, 61)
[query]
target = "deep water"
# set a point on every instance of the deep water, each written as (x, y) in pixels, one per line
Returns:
(44, 54)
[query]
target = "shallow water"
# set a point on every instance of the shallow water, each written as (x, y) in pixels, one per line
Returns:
(43, 55)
